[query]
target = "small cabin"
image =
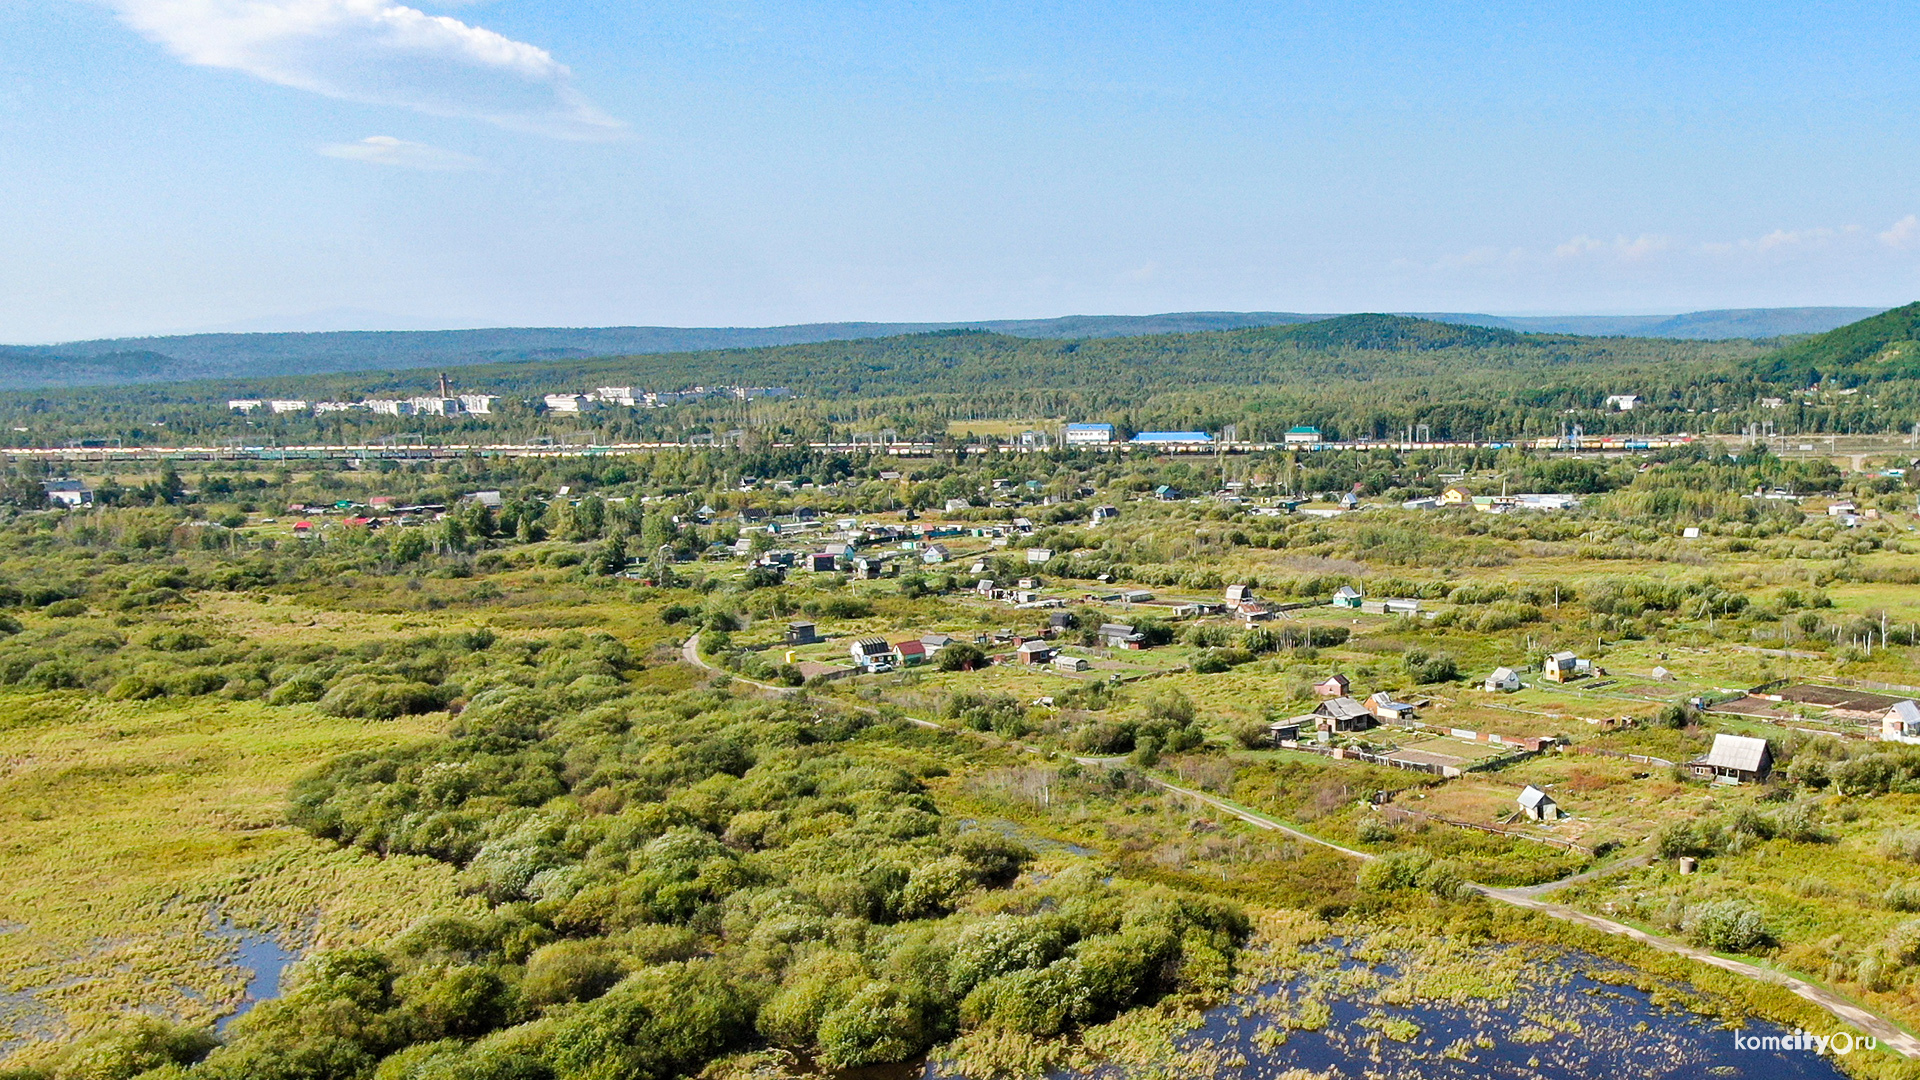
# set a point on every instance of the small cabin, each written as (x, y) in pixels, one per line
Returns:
(1383, 705)
(1286, 731)
(1070, 663)
(1035, 652)
(1343, 714)
(1347, 597)
(1901, 723)
(1335, 685)
(1538, 805)
(801, 633)
(1561, 667)
(872, 654)
(1734, 759)
(1503, 680)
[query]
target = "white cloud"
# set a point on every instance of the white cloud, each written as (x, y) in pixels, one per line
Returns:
(400, 154)
(1903, 235)
(1620, 248)
(1788, 241)
(377, 52)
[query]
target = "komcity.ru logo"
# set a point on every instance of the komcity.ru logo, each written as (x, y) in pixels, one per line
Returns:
(1840, 1043)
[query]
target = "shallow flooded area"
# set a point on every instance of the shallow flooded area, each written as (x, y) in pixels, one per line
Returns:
(1357, 1010)
(262, 957)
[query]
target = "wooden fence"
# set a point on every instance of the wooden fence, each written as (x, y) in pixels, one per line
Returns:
(1641, 758)
(1399, 812)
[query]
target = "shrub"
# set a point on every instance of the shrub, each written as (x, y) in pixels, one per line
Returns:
(1251, 734)
(1901, 844)
(877, 1024)
(1423, 669)
(1210, 663)
(658, 1024)
(300, 688)
(569, 971)
(369, 697)
(1146, 752)
(1170, 704)
(1727, 926)
(1688, 838)
(132, 1048)
(1903, 896)
(1374, 831)
(959, 656)
(1404, 870)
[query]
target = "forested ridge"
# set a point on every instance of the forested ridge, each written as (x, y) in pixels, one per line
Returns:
(123, 361)
(1363, 375)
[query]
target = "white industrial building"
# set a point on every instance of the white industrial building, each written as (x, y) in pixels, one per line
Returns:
(1089, 434)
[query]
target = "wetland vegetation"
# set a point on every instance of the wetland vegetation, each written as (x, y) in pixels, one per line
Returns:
(462, 765)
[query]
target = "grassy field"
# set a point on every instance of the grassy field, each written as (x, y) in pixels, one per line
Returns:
(132, 828)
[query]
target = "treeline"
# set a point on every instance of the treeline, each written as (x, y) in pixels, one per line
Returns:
(1355, 376)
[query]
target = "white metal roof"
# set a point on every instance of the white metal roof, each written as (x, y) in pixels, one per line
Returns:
(1736, 752)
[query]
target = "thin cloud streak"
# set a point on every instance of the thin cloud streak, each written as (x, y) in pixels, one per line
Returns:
(1652, 250)
(400, 154)
(380, 53)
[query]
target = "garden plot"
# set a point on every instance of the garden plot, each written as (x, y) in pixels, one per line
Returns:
(1435, 749)
(1839, 699)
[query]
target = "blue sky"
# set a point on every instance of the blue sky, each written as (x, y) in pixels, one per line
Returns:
(172, 165)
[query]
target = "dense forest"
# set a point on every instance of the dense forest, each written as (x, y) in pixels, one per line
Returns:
(126, 361)
(1354, 376)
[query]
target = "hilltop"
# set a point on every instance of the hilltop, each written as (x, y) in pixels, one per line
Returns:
(1876, 349)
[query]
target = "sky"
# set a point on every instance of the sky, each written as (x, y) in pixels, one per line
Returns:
(180, 165)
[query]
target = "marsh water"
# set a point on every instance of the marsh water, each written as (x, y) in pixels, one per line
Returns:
(262, 957)
(1568, 1018)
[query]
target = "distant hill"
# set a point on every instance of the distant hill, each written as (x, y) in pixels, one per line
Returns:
(1695, 325)
(122, 361)
(1885, 346)
(1388, 333)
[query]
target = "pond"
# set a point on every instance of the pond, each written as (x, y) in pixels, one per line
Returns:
(1484, 1014)
(262, 957)
(1564, 1025)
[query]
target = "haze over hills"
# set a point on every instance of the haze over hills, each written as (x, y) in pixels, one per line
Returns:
(122, 361)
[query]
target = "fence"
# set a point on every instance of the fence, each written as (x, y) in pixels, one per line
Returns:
(1344, 754)
(1891, 688)
(1640, 758)
(1429, 768)
(1397, 812)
